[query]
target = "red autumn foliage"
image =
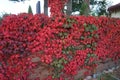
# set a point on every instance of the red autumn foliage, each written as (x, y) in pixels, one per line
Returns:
(66, 44)
(56, 6)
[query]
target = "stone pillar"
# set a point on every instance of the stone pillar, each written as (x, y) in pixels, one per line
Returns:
(38, 8)
(46, 7)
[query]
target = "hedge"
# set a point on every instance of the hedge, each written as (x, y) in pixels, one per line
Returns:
(66, 44)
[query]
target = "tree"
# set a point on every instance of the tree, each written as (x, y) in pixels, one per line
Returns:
(83, 6)
(80, 5)
(102, 10)
(86, 3)
(30, 10)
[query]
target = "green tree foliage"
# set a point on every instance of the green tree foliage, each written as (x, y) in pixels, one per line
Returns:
(30, 10)
(76, 5)
(83, 6)
(79, 5)
(102, 8)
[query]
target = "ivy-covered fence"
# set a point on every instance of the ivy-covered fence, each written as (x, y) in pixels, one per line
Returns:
(65, 44)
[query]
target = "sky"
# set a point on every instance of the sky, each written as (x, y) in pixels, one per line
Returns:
(7, 6)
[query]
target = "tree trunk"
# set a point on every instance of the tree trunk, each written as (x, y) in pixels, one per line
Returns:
(69, 7)
(46, 7)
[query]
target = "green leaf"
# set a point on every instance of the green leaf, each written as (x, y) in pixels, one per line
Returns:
(96, 36)
(84, 24)
(65, 62)
(93, 55)
(94, 44)
(90, 36)
(91, 30)
(82, 37)
(87, 29)
(65, 51)
(65, 34)
(88, 54)
(58, 65)
(67, 26)
(88, 45)
(94, 49)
